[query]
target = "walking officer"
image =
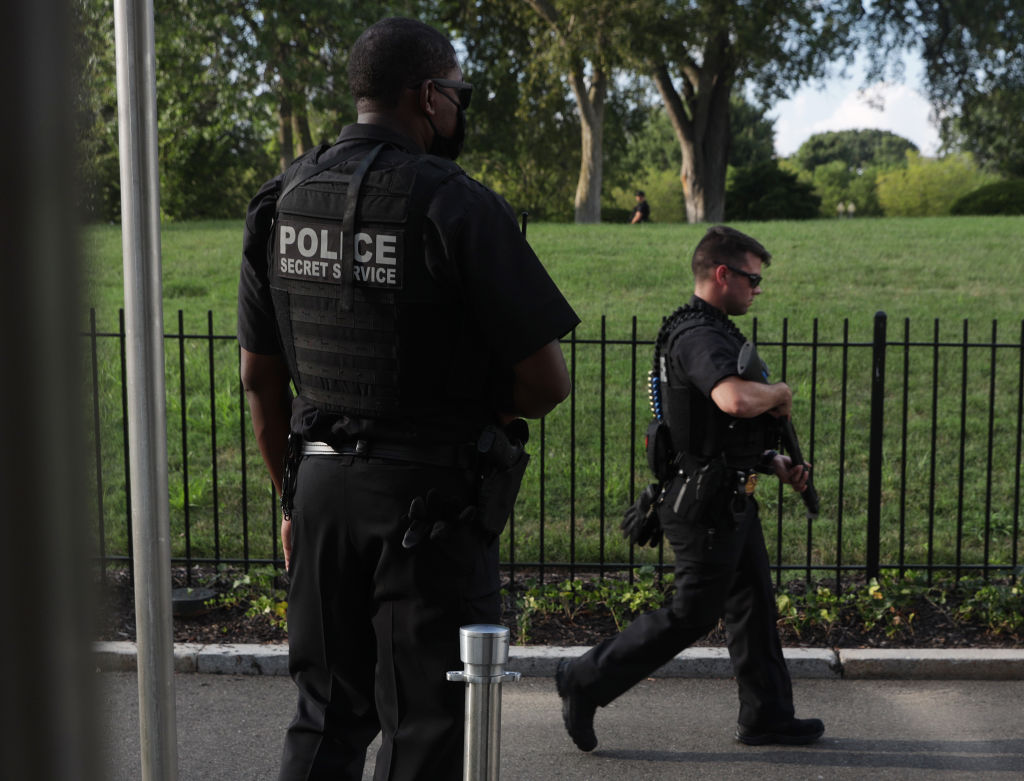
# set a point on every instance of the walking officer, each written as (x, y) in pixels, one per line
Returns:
(401, 301)
(715, 440)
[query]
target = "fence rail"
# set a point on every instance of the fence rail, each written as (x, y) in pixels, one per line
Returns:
(916, 444)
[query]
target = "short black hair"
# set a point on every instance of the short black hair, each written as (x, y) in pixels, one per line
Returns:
(640, 193)
(723, 246)
(394, 54)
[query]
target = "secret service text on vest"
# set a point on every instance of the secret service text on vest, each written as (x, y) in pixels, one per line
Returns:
(313, 253)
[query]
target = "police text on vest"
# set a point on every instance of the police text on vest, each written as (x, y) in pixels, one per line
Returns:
(311, 251)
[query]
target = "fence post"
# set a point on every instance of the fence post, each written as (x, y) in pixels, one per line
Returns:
(484, 650)
(875, 447)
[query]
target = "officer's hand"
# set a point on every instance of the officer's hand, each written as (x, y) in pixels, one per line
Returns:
(640, 524)
(794, 475)
(286, 542)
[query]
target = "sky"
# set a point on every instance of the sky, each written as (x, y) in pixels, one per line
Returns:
(842, 104)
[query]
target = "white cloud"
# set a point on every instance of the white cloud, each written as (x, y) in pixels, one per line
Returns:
(898, 108)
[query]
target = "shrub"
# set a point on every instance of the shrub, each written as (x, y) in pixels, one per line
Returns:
(615, 214)
(929, 187)
(766, 192)
(996, 198)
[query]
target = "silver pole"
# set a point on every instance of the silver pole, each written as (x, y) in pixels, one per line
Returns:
(483, 649)
(147, 414)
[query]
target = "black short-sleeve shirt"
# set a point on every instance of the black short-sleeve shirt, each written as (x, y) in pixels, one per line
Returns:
(645, 211)
(473, 245)
(706, 354)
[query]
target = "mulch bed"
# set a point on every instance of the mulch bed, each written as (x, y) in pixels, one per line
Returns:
(933, 626)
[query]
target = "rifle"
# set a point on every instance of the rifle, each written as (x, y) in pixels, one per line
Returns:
(750, 367)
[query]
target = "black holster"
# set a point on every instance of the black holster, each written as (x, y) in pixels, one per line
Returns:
(293, 455)
(503, 461)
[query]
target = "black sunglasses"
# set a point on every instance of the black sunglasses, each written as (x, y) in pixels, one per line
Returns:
(462, 89)
(753, 279)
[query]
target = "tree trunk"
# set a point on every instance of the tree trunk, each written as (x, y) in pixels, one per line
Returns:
(591, 108)
(700, 118)
(300, 132)
(285, 142)
(702, 173)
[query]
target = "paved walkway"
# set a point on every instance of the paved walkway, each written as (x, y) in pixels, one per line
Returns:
(230, 728)
(888, 715)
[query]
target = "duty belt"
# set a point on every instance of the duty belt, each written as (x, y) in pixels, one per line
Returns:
(434, 455)
(746, 482)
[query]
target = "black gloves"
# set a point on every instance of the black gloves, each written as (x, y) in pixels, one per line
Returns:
(640, 524)
(435, 517)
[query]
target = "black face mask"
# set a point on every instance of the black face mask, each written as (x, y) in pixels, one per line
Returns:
(449, 147)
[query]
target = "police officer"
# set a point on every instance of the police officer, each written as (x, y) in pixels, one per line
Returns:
(720, 425)
(642, 210)
(403, 303)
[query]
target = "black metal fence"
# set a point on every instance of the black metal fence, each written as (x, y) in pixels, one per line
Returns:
(915, 432)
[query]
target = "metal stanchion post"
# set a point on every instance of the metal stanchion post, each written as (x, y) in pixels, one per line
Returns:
(483, 649)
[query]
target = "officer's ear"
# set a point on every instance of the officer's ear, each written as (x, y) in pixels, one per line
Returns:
(428, 97)
(721, 272)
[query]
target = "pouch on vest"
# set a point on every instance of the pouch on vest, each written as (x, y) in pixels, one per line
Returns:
(688, 497)
(660, 455)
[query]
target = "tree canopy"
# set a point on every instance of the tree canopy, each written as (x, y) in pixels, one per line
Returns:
(856, 149)
(973, 53)
(699, 52)
(569, 92)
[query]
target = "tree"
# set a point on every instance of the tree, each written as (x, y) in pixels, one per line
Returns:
(698, 52)
(650, 159)
(585, 37)
(94, 92)
(211, 124)
(856, 149)
(753, 134)
(228, 76)
(289, 56)
(522, 128)
(989, 129)
(843, 166)
(973, 52)
(834, 183)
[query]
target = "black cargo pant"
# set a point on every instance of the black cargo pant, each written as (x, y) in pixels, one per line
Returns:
(373, 628)
(721, 573)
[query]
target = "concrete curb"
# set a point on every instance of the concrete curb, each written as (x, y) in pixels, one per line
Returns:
(981, 664)
(995, 664)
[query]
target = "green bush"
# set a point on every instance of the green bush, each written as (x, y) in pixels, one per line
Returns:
(997, 198)
(929, 187)
(834, 183)
(615, 214)
(766, 192)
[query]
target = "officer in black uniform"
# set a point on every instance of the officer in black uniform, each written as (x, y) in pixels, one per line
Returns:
(418, 327)
(642, 210)
(720, 429)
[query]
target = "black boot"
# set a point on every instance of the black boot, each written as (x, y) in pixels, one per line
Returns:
(577, 711)
(795, 732)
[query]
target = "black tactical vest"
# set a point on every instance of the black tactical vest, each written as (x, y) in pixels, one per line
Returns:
(699, 430)
(377, 344)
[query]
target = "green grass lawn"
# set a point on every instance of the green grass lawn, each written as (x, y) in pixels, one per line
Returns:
(827, 280)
